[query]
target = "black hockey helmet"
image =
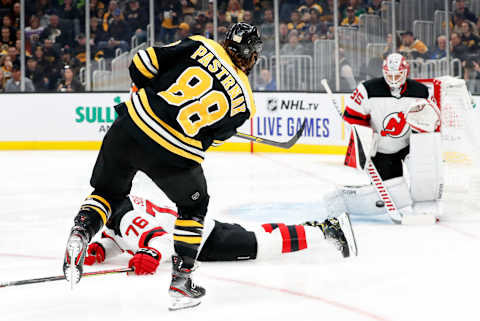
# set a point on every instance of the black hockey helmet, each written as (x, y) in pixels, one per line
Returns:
(243, 44)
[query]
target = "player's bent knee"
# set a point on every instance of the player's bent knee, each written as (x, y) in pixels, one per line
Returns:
(196, 209)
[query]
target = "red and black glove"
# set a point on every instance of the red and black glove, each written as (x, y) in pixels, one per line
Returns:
(96, 254)
(145, 261)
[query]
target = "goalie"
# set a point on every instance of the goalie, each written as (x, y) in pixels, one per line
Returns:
(402, 140)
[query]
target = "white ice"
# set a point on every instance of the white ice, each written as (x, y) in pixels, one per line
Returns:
(402, 272)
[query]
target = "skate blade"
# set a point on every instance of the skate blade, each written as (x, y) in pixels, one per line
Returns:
(346, 225)
(72, 274)
(183, 302)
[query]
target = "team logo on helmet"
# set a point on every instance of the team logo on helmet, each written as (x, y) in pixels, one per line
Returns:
(395, 125)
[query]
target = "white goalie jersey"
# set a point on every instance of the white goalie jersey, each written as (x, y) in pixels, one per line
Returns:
(372, 104)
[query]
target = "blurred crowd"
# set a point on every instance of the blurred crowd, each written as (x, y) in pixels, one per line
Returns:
(55, 39)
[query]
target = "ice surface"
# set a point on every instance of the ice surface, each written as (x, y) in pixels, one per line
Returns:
(402, 272)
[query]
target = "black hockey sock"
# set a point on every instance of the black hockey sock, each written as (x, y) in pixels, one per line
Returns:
(93, 214)
(187, 237)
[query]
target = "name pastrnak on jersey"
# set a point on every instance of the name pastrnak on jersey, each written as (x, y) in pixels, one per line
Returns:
(190, 96)
(372, 104)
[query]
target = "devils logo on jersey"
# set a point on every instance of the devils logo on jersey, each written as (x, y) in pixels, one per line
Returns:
(395, 125)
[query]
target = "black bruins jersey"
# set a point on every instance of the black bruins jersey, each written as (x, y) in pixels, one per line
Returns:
(190, 96)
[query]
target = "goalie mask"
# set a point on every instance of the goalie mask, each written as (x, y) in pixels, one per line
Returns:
(243, 45)
(395, 70)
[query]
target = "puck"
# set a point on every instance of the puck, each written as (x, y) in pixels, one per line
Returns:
(379, 204)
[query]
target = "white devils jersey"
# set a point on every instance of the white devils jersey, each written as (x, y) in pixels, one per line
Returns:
(372, 104)
(146, 225)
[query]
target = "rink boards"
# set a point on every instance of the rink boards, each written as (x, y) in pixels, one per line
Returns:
(79, 121)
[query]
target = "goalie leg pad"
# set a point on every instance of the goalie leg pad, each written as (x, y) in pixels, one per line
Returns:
(425, 167)
(365, 200)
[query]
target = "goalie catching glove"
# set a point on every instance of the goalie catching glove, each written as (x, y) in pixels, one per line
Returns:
(145, 261)
(424, 116)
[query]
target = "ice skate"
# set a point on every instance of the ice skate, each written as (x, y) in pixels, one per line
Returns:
(184, 293)
(339, 231)
(75, 255)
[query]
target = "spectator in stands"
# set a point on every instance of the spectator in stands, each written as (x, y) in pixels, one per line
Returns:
(412, 48)
(69, 11)
(7, 66)
(208, 30)
(293, 47)
(286, 8)
(2, 81)
(188, 7)
(327, 15)
(32, 32)
(18, 48)
(283, 30)
(458, 49)
(13, 54)
(351, 20)
(119, 36)
(266, 82)
(307, 5)
(222, 24)
(16, 15)
(209, 13)
(296, 23)
(7, 22)
(108, 16)
(440, 50)
(248, 17)
(389, 48)
(234, 12)
(97, 34)
(183, 31)
(13, 84)
(57, 32)
(35, 73)
(137, 19)
(6, 38)
(171, 12)
(68, 60)
(375, 7)
(347, 79)
(267, 31)
(357, 6)
(68, 83)
(469, 39)
(461, 9)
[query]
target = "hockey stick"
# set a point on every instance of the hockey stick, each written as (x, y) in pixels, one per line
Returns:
(371, 170)
(62, 277)
(265, 141)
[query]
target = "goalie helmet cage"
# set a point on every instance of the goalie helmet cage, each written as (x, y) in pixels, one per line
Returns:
(460, 143)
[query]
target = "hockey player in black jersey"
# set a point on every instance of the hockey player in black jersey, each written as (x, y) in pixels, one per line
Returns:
(191, 94)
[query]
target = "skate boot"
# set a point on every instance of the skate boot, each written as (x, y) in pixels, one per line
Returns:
(184, 293)
(339, 231)
(75, 255)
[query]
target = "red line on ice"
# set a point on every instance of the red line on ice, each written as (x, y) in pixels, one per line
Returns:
(304, 295)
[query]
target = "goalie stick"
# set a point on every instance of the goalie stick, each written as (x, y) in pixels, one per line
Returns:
(62, 277)
(285, 145)
(371, 170)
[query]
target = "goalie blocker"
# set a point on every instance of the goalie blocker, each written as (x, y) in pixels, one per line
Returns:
(417, 192)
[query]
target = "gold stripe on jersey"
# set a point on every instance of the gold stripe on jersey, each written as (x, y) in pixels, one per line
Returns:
(214, 57)
(153, 57)
(190, 223)
(141, 67)
(188, 239)
(157, 137)
(102, 214)
(101, 199)
(148, 109)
